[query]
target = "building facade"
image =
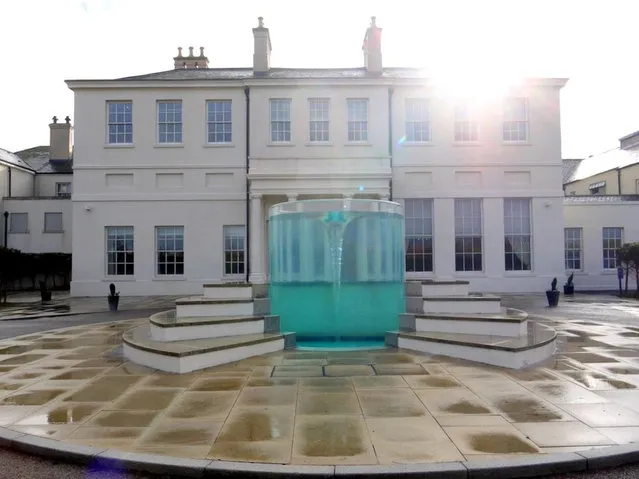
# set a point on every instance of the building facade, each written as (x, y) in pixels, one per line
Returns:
(35, 194)
(174, 172)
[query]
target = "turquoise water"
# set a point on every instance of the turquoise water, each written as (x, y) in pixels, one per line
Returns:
(337, 277)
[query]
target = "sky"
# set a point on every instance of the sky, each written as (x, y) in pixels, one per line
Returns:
(593, 43)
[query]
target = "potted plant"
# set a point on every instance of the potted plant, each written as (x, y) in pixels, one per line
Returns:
(114, 298)
(553, 294)
(569, 288)
(44, 294)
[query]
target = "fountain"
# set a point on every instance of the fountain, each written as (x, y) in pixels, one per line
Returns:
(337, 271)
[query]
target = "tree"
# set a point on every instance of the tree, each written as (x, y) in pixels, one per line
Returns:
(10, 267)
(628, 257)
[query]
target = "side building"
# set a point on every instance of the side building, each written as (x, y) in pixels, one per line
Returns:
(174, 171)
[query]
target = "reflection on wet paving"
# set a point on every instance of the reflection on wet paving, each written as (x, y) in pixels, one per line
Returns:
(308, 407)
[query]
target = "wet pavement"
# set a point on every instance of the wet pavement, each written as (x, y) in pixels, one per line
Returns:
(29, 306)
(364, 407)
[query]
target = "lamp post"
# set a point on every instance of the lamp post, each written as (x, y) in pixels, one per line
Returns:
(6, 227)
(620, 277)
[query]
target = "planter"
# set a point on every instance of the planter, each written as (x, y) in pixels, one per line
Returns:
(553, 297)
(569, 289)
(114, 301)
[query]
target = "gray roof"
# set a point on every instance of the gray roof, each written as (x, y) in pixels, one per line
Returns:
(11, 159)
(276, 73)
(38, 159)
(606, 161)
(590, 199)
(568, 167)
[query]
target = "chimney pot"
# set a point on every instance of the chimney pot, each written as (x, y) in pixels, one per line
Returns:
(190, 51)
(201, 51)
(179, 51)
(55, 119)
(260, 21)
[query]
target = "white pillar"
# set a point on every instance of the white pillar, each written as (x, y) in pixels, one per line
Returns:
(257, 241)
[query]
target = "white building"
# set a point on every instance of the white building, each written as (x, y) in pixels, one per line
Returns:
(601, 210)
(35, 194)
(174, 171)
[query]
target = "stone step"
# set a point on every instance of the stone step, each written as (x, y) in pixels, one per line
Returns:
(508, 323)
(166, 326)
(198, 306)
(444, 288)
(471, 304)
(223, 290)
(537, 345)
(191, 355)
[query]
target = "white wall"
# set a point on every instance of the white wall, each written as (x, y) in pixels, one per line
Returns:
(36, 240)
(22, 183)
(45, 183)
(203, 223)
(592, 217)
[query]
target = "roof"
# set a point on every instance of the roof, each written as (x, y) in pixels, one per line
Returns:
(606, 161)
(11, 159)
(38, 159)
(274, 73)
(569, 165)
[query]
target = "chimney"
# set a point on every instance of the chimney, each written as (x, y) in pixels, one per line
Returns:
(60, 144)
(191, 61)
(261, 48)
(373, 48)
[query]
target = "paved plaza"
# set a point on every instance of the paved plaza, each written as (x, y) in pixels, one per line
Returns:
(305, 407)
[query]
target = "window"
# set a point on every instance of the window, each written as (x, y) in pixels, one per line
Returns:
(19, 223)
(572, 248)
(281, 120)
(468, 235)
(419, 235)
(515, 120)
(119, 250)
(63, 189)
(169, 250)
(318, 110)
(517, 232)
(219, 124)
(120, 121)
(170, 122)
(53, 223)
(418, 120)
(233, 250)
(612, 241)
(357, 119)
(466, 125)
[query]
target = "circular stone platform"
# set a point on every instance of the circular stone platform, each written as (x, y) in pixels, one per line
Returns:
(70, 394)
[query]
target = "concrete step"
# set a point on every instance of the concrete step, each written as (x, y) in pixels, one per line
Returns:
(195, 354)
(198, 306)
(444, 288)
(223, 290)
(508, 323)
(537, 345)
(471, 304)
(166, 326)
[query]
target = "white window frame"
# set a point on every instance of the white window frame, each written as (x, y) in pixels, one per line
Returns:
(228, 262)
(65, 185)
(357, 112)
(120, 234)
(47, 227)
(319, 120)
(518, 231)
(573, 242)
(417, 213)
(170, 233)
(609, 253)
(466, 124)
(173, 118)
(122, 137)
(469, 226)
(515, 126)
(418, 120)
(280, 116)
(219, 122)
(12, 225)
